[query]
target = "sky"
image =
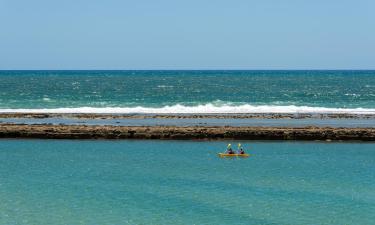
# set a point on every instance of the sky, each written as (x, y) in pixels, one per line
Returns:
(187, 34)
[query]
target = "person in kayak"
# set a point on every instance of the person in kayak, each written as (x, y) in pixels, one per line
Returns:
(240, 149)
(229, 149)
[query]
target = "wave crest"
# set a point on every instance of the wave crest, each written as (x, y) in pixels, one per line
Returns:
(199, 109)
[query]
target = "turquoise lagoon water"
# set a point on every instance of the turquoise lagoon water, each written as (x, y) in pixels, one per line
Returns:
(187, 91)
(184, 182)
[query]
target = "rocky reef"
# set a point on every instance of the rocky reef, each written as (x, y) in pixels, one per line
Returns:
(184, 133)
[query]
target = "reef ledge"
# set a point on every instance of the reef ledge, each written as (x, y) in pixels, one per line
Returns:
(47, 131)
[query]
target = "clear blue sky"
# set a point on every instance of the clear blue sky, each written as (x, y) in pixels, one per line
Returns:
(187, 34)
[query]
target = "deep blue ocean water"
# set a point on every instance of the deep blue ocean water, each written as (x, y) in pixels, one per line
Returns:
(184, 182)
(188, 91)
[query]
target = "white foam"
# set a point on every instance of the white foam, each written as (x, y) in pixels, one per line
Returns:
(200, 109)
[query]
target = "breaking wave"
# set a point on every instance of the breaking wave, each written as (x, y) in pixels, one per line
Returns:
(199, 109)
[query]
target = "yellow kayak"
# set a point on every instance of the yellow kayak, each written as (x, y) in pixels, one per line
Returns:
(233, 155)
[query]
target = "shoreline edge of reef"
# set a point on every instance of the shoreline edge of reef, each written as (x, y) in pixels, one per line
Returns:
(188, 115)
(47, 131)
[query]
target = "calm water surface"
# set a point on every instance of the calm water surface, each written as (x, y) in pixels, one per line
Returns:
(184, 182)
(199, 122)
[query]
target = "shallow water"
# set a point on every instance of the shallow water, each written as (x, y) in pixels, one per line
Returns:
(188, 122)
(184, 182)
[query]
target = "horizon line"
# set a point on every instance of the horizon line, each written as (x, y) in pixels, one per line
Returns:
(187, 69)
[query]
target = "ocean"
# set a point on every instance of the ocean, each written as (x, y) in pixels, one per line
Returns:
(188, 91)
(184, 182)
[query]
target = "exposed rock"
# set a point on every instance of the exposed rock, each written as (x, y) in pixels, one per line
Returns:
(172, 132)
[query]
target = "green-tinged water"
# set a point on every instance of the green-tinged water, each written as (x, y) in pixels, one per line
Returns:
(201, 91)
(184, 182)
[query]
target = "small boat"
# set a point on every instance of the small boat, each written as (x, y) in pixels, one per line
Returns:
(233, 155)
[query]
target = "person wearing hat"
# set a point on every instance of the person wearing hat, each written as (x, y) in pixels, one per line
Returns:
(229, 149)
(240, 149)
